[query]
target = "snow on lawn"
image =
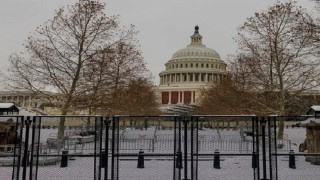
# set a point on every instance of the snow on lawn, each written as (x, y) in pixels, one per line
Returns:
(232, 168)
(161, 168)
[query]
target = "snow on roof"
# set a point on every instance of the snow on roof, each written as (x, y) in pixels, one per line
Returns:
(6, 105)
(315, 107)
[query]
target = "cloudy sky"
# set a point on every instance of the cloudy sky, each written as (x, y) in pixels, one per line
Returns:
(164, 25)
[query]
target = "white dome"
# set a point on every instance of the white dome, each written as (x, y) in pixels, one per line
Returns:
(196, 51)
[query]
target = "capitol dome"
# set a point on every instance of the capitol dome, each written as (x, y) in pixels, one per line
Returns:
(190, 69)
(196, 50)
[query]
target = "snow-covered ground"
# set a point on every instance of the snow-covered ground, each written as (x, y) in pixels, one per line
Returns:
(232, 168)
(161, 168)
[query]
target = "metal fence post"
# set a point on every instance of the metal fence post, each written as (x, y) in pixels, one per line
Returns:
(255, 160)
(185, 148)
(179, 160)
(264, 150)
(25, 160)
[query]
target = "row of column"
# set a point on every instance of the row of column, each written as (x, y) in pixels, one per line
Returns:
(24, 101)
(178, 97)
(190, 77)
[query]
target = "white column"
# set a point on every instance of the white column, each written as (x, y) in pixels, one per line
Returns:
(193, 77)
(178, 97)
(169, 97)
(191, 97)
(182, 97)
(29, 102)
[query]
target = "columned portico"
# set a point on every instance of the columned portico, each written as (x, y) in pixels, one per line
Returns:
(179, 97)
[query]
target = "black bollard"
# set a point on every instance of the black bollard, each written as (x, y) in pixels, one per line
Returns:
(64, 159)
(146, 123)
(292, 160)
(103, 159)
(216, 160)
(140, 160)
(179, 160)
(254, 160)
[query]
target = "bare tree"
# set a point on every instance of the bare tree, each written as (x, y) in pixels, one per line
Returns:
(109, 71)
(276, 54)
(138, 98)
(59, 52)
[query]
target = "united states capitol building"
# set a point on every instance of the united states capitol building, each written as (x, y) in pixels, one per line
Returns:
(186, 74)
(188, 71)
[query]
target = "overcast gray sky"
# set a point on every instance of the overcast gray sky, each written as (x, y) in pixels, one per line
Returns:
(164, 25)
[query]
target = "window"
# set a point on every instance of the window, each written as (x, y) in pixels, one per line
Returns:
(181, 65)
(196, 65)
(207, 65)
(201, 65)
(176, 65)
(211, 65)
(191, 65)
(186, 65)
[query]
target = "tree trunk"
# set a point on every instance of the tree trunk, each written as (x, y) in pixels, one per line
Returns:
(282, 110)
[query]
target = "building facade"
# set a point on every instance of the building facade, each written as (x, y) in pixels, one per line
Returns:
(188, 71)
(26, 99)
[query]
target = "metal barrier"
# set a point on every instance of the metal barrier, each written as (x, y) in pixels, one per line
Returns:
(159, 147)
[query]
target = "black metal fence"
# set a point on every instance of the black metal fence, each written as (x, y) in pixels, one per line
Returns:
(160, 147)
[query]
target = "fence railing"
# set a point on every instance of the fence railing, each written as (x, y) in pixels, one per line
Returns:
(170, 145)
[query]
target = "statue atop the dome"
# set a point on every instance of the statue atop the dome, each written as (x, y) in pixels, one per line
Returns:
(196, 29)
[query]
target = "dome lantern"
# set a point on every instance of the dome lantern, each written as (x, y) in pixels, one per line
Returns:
(196, 38)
